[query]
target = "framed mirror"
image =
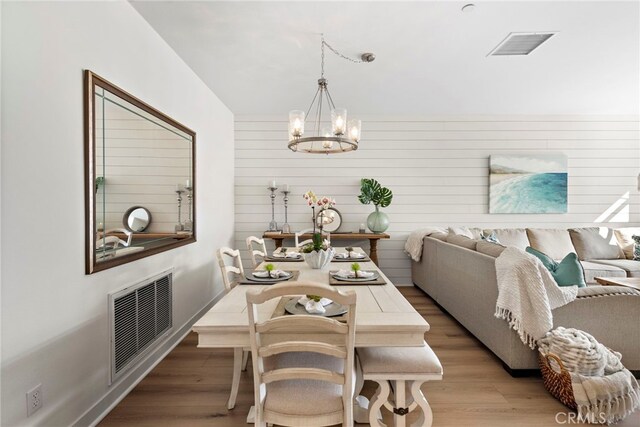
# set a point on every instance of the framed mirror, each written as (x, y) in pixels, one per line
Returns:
(330, 219)
(137, 219)
(139, 173)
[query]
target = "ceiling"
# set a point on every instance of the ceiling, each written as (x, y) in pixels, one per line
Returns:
(264, 57)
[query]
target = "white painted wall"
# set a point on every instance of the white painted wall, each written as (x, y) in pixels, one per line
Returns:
(54, 317)
(437, 168)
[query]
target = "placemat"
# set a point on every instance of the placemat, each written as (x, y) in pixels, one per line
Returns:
(365, 259)
(294, 277)
(336, 282)
(274, 259)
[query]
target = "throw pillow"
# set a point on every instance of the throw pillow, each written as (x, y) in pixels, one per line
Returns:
(568, 272)
(490, 237)
(636, 247)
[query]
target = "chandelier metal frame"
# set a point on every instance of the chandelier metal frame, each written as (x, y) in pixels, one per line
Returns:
(346, 135)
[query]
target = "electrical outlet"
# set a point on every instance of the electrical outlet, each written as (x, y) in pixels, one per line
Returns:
(34, 400)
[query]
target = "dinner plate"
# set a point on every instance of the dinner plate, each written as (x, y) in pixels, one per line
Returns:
(356, 279)
(252, 278)
(331, 310)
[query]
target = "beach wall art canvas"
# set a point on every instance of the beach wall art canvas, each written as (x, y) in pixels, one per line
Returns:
(533, 184)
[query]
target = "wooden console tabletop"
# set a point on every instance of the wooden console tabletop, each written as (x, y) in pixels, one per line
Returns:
(373, 238)
(630, 282)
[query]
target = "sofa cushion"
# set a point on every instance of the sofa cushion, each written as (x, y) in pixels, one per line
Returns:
(471, 233)
(593, 270)
(625, 240)
(516, 237)
(489, 248)
(463, 241)
(554, 242)
(568, 272)
(631, 267)
(595, 243)
(440, 236)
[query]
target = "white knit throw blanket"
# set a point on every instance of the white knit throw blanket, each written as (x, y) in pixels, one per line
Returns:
(604, 390)
(413, 246)
(527, 293)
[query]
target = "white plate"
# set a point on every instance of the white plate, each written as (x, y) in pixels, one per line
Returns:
(333, 309)
(268, 279)
(356, 279)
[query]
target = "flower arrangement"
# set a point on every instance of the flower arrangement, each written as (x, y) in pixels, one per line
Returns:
(318, 245)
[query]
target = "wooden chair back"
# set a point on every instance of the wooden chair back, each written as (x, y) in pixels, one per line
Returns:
(326, 237)
(269, 338)
(234, 267)
(260, 252)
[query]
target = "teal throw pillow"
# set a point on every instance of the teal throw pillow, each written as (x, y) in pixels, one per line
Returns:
(636, 248)
(492, 238)
(568, 272)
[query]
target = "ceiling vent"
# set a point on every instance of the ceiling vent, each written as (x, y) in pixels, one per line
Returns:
(520, 43)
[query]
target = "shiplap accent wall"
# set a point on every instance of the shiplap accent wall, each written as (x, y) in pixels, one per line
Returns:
(437, 168)
(143, 165)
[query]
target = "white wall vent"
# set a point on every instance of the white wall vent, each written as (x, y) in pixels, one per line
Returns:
(140, 316)
(520, 43)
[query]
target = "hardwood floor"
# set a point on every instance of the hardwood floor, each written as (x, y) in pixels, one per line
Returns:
(190, 387)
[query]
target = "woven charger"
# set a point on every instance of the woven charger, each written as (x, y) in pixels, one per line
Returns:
(557, 383)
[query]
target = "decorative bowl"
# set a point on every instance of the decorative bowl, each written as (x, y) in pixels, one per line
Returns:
(319, 259)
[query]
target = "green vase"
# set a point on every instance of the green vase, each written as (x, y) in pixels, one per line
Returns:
(378, 221)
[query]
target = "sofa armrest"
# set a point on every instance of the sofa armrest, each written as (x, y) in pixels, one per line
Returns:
(604, 291)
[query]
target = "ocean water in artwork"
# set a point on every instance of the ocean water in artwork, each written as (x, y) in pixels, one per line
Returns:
(529, 193)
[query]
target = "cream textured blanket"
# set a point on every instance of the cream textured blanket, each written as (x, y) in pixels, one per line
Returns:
(604, 390)
(527, 293)
(413, 245)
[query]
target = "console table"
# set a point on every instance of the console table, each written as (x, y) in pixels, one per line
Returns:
(373, 238)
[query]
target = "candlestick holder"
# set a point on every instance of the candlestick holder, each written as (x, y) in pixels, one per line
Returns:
(179, 226)
(286, 228)
(188, 224)
(273, 225)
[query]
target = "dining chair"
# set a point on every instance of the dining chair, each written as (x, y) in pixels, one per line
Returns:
(109, 238)
(240, 354)
(399, 372)
(302, 379)
(326, 237)
(260, 252)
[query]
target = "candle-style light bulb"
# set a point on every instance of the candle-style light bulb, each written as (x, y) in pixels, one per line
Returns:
(355, 129)
(296, 123)
(338, 121)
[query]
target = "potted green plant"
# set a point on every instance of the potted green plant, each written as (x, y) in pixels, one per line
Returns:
(372, 192)
(355, 267)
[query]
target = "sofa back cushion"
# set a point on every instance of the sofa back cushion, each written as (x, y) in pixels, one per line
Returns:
(463, 241)
(554, 242)
(516, 237)
(489, 248)
(595, 243)
(625, 240)
(471, 233)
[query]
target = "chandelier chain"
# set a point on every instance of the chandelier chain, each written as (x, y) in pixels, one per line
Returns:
(332, 49)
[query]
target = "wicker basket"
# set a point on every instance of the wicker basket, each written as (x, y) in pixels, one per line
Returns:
(557, 383)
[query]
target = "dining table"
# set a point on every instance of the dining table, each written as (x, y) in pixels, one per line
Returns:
(384, 317)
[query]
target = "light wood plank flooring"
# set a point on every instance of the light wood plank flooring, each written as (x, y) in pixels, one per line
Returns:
(191, 386)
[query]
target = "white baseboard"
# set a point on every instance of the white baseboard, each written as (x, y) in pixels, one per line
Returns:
(119, 391)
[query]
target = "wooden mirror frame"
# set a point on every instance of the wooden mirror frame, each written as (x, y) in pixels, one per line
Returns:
(91, 80)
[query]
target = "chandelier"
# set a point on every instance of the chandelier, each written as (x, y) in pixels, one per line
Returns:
(341, 136)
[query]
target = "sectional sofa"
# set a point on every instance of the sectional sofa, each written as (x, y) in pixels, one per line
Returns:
(457, 269)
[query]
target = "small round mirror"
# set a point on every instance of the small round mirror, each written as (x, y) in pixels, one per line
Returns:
(137, 219)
